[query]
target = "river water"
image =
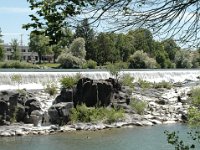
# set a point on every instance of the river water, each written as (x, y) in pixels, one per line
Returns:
(137, 138)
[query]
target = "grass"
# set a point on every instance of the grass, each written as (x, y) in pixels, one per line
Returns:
(138, 106)
(51, 89)
(127, 80)
(17, 65)
(82, 113)
(50, 65)
(144, 84)
(163, 84)
(195, 96)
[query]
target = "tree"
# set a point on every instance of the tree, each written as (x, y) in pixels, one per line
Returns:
(16, 55)
(125, 46)
(52, 16)
(169, 18)
(77, 48)
(106, 51)
(178, 18)
(85, 31)
(142, 39)
(171, 48)
(74, 57)
(183, 59)
(140, 60)
(39, 44)
(161, 56)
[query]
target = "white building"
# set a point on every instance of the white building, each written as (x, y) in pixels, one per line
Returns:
(26, 54)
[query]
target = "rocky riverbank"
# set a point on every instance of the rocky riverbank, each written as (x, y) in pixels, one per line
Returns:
(33, 110)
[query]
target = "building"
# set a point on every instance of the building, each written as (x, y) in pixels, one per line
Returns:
(26, 54)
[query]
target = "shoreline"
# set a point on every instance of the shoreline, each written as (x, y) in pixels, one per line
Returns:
(18, 129)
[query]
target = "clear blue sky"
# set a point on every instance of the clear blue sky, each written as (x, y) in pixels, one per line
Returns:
(14, 13)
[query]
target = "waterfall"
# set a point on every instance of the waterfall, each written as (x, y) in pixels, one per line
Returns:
(37, 80)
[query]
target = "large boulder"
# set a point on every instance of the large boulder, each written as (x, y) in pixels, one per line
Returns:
(59, 113)
(66, 95)
(17, 106)
(93, 92)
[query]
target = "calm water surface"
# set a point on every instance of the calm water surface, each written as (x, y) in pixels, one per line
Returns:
(138, 138)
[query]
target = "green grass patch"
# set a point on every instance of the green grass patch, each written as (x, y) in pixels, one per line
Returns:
(163, 84)
(69, 81)
(51, 89)
(127, 80)
(50, 65)
(82, 113)
(17, 65)
(144, 84)
(195, 96)
(138, 106)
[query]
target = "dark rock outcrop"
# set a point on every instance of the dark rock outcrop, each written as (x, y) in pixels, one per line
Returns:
(93, 92)
(66, 95)
(59, 113)
(16, 106)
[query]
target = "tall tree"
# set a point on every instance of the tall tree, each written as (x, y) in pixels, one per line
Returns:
(16, 55)
(39, 44)
(85, 31)
(125, 46)
(77, 48)
(142, 39)
(171, 48)
(52, 16)
(106, 51)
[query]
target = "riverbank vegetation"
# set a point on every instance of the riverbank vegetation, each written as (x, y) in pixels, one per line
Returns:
(82, 113)
(136, 49)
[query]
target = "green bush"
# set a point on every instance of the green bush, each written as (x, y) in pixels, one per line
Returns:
(195, 96)
(127, 80)
(114, 69)
(91, 64)
(67, 60)
(17, 65)
(138, 105)
(162, 84)
(16, 78)
(51, 89)
(82, 113)
(144, 84)
(140, 59)
(68, 82)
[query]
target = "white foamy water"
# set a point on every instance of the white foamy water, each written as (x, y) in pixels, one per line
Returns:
(37, 80)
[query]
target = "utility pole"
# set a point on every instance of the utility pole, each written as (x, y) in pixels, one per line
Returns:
(21, 40)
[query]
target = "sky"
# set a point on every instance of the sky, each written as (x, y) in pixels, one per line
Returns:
(13, 14)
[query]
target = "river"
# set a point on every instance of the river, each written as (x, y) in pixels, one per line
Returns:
(137, 138)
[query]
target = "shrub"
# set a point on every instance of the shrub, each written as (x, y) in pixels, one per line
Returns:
(51, 89)
(141, 60)
(91, 64)
(113, 115)
(17, 65)
(17, 78)
(82, 113)
(67, 60)
(162, 84)
(138, 105)
(114, 69)
(144, 84)
(68, 82)
(127, 80)
(195, 96)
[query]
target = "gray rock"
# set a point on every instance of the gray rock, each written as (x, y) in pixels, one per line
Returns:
(59, 113)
